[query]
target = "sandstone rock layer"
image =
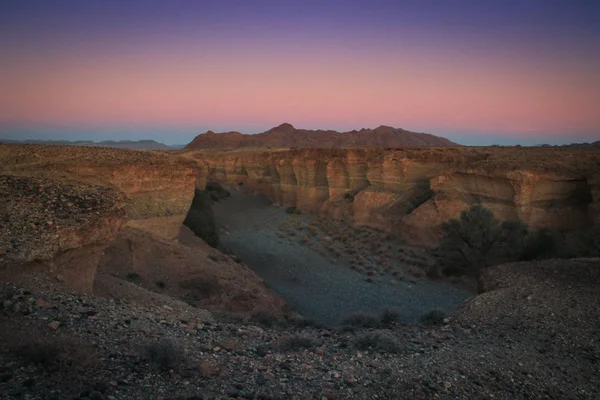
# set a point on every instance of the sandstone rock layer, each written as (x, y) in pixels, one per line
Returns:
(411, 191)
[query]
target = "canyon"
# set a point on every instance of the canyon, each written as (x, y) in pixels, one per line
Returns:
(104, 294)
(411, 191)
(79, 217)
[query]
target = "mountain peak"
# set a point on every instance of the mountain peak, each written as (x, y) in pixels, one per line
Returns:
(285, 127)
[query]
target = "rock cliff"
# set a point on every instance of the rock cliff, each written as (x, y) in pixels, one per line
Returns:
(69, 212)
(411, 191)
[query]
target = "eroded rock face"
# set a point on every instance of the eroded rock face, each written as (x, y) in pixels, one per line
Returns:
(65, 205)
(62, 228)
(68, 210)
(158, 188)
(412, 191)
(192, 271)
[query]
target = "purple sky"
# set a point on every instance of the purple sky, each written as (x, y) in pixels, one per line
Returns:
(477, 72)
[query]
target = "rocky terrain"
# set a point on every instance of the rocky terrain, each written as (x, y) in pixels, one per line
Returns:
(103, 294)
(410, 191)
(533, 335)
(286, 136)
(87, 218)
(120, 144)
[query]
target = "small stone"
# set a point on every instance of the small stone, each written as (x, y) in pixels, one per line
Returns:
(54, 325)
(41, 303)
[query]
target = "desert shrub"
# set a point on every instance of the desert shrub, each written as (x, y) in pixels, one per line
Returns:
(302, 322)
(292, 210)
(297, 342)
(202, 286)
(264, 319)
(584, 244)
(389, 316)
(360, 320)
(164, 354)
(378, 341)
(348, 197)
(433, 317)
(57, 353)
(468, 241)
(133, 277)
(161, 284)
(201, 220)
(543, 244)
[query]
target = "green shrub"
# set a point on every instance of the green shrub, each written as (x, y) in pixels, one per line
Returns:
(543, 244)
(349, 197)
(468, 242)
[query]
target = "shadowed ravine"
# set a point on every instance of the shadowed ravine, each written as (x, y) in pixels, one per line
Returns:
(312, 284)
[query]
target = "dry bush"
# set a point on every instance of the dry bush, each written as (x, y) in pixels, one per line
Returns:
(58, 353)
(297, 342)
(164, 354)
(433, 317)
(378, 341)
(202, 286)
(360, 320)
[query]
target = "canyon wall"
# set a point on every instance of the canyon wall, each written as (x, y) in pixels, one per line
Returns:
(411, 191)
(65, 205)
(83, 217)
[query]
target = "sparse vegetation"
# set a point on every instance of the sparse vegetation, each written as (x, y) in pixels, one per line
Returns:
(433, 317)
(360, 320)
(202, 286)
(349, 197)
(297, 342)
(468, 242)
(378, 341)
(164, 354)
(134, 277)
(161, 284)
(389, 316)
(57, 353)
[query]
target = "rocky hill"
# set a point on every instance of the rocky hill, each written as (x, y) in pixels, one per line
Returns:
(286, 136)
(411, 191)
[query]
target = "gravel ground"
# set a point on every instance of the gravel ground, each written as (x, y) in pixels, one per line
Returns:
(533, 337)
(313, 284)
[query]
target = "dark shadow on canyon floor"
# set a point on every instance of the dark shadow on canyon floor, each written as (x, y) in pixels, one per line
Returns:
(315, 286)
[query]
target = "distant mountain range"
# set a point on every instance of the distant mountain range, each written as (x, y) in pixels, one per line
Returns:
(286, 136)
(121, 144)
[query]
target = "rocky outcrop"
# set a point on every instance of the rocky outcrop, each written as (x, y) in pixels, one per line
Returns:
(56, 227)
(158, 188)
(70, 211)
(286, 136)
(412, 191)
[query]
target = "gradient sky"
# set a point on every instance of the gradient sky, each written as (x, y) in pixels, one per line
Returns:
(477, 72)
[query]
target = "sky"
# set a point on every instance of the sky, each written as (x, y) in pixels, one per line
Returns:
(476, 71)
